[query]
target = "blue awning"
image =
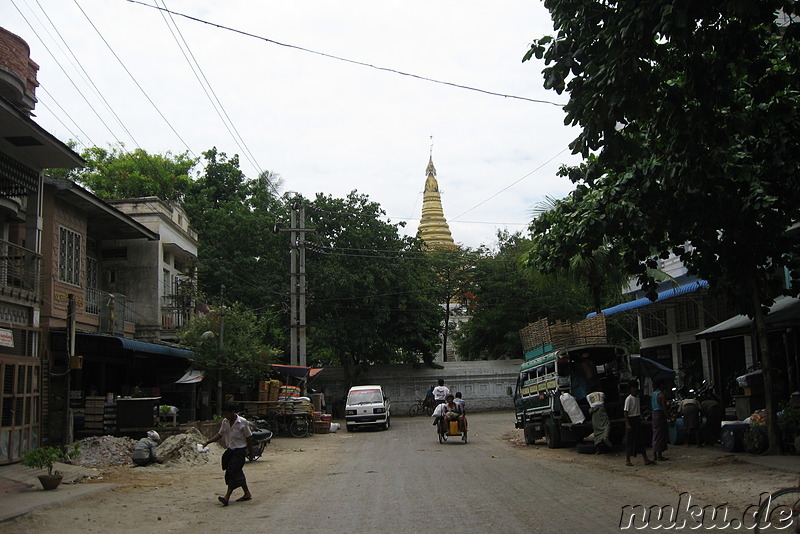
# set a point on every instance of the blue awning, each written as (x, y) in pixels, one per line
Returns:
(137, 346)
(154, 348)
(662, 295)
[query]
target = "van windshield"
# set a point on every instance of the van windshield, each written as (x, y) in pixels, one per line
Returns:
(365, 396)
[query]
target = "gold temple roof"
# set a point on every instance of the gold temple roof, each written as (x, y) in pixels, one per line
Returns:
(433, 228)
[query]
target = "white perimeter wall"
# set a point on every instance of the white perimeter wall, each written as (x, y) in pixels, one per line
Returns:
(483, 384)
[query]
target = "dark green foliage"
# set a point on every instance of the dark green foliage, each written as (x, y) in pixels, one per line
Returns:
(372, 293)
(505, 297)
(115, 173)
(688, 116)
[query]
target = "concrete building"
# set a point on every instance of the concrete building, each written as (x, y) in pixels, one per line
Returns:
(160, 275)
(702, 337)
(26, 150)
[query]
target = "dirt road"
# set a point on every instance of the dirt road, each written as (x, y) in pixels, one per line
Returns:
(403, 480)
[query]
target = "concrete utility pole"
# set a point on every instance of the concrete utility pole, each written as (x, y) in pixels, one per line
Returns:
(219, 346)
(297, 284)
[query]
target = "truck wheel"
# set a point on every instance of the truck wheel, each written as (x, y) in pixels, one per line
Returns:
(530, 434)
(552, 435)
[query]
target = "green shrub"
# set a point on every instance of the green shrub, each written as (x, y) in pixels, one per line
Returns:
(45, 457)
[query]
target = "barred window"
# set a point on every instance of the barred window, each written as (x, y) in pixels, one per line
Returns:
(687, 316)
(69, 257)
(654, 323)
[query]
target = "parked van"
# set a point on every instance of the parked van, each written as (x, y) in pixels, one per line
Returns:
(367, 405)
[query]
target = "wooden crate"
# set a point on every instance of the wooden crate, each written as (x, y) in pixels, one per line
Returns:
(322, 427)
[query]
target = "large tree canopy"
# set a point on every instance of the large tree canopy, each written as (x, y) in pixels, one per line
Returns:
(372, 293)
(689, 124)
(234, 217)
(506, 297)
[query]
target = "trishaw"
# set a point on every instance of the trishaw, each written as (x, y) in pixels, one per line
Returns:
(448, 428)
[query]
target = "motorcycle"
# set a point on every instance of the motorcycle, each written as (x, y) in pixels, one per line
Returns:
(261, 437)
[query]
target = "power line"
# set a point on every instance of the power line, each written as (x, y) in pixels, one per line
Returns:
(346, 60)
(65, 73)
(134, 79)
(43, 88)
(215, 101)
(509, 186)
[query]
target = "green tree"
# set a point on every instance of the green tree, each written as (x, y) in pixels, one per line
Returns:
(455, 268)
(234, 218)
(115, 173)
(688, 116)
(506, 297)
(371, 291)
(243, 358)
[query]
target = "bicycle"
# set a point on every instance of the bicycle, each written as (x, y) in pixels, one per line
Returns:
(779, 512)
(420, 407)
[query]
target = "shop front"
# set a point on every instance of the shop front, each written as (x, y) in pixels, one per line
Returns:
(111, 368)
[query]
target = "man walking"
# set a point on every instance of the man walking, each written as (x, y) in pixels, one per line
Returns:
(238, 441)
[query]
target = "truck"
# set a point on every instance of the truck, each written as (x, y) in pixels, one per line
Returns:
(576, 360)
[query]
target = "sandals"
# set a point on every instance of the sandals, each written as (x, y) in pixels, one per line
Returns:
(223, 500)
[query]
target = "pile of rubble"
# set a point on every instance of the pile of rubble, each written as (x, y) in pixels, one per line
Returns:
(104, 450)
(177, 450)
(181, 449)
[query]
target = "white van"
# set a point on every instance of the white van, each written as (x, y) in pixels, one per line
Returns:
(367, 405)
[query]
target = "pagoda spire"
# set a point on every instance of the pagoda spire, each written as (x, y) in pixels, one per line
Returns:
(433, 228)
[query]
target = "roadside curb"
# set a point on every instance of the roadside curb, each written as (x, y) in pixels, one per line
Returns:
(31, 499)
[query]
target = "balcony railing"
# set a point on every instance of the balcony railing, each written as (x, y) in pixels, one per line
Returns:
(114, 309)
(20, 271)
(176, 310)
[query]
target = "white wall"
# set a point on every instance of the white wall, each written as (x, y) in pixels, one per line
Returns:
(483, 384)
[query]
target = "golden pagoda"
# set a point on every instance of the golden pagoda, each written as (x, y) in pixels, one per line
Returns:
(433, 228)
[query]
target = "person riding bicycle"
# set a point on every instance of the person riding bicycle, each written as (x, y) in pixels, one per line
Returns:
(450, 411)
(440, 392)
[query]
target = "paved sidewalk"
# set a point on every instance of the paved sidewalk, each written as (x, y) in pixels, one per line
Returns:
(21, 492)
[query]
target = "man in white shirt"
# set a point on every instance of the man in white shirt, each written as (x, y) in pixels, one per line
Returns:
(634, 441)
(239, 441)
(440, 392)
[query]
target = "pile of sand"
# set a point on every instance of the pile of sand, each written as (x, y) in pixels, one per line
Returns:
(104, 450)
(181, 450)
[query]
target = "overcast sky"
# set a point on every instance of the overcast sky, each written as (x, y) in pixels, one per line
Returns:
(323, 124)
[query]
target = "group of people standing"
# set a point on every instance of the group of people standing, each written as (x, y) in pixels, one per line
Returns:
(692, 411)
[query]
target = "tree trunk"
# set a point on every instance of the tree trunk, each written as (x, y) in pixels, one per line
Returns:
(773, 432)
(446, 329)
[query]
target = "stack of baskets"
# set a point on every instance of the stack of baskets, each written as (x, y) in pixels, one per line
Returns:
(541, 333)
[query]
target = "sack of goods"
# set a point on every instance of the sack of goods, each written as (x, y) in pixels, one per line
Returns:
(596, 398)
(570, 406)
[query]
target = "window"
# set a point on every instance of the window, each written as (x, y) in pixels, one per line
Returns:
(687, 316)
(654, 323)
(166, 284)
(69, 257)
(92, 295)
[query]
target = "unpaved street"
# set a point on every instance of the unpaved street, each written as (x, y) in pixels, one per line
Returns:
(403, 480)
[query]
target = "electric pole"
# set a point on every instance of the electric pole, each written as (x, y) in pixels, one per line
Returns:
(297, 284)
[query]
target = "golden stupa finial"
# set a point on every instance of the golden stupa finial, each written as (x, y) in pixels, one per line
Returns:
(430, 169)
